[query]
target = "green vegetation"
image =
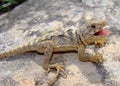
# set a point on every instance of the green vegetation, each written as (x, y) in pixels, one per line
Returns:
(6, 5)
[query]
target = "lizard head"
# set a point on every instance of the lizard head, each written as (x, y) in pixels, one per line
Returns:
(95, 27)
(93, 31)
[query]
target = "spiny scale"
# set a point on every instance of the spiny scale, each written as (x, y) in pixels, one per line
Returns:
(30, 46)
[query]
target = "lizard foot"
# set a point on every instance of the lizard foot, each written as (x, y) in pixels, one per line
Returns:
(98, 58)
(99, 45)
(60, 70)
(100, 42)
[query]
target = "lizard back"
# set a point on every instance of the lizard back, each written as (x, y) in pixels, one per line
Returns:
(67, 37)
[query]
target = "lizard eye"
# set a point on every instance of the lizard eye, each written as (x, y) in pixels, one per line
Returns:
(93, 26)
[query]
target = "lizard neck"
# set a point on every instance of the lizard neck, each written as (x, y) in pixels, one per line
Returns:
(80, 37)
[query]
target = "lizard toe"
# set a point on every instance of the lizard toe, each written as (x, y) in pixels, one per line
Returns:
(60, 70)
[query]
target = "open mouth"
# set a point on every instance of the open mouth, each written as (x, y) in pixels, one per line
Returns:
(102, 32)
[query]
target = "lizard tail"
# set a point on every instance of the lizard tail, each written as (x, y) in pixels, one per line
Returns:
(30, 46)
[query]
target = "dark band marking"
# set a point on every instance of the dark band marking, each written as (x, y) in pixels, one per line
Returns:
(78, 37)
(70, 34)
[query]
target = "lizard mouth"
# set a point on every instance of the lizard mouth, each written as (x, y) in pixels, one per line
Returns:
(102, 32)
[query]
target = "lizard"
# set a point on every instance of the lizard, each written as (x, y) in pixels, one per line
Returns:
(63, 41)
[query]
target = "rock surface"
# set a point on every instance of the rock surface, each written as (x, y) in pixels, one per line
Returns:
(33, 18)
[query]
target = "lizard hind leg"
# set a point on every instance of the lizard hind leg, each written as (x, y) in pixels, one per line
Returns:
(48, 66)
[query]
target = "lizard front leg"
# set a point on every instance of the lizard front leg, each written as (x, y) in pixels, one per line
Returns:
(97, 58)
(47, 66)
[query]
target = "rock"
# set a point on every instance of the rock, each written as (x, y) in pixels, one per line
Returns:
(33, 18)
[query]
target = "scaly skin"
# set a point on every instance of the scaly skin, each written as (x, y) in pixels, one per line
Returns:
(61, 41)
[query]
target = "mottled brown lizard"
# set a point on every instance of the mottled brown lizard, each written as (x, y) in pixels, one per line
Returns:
(62, 41)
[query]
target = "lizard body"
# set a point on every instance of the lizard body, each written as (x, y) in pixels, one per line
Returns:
(60, 41)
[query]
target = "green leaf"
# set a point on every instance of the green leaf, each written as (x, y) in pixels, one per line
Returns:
(5, 6)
